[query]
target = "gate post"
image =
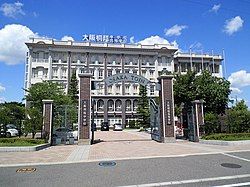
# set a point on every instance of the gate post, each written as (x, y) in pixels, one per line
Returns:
(47, 119)
(198, 117)
(84, 108)
(167, 108)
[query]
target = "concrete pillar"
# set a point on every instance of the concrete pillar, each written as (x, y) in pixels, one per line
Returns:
(167, 108)
(47, 120)
(198, 119)
(84, 108)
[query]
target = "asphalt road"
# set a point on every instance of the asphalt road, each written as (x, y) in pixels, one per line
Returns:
(199, 170)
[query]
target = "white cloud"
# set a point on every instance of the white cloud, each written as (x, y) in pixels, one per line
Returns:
(239, 79)
(175, 30)
(233, 25)
(12, 10)
(132, 40)
(154, 40)
(67, 38)
(235, 90)
(2, 99)
(12, 43)
(2, 88)
(215, 8)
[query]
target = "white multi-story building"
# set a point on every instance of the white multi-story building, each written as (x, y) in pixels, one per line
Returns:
(54, 60)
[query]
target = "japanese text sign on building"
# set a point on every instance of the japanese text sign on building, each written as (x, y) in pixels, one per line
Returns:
(104, 38)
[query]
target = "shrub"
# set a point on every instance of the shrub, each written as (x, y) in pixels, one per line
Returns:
(212, 124)
(20, 141)
(238, 121)
(228, 137)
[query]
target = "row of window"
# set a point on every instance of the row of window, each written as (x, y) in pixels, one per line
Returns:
(116, 105)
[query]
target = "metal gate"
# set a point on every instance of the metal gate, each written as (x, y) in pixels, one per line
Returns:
(155, 121)
(64, 124)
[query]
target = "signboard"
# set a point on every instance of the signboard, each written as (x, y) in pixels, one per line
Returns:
(168, 112)
(104, 38)
(128, 77)
(84, 112)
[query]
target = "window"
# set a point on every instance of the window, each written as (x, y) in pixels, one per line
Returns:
(135, 87)
(135, 72)
(55, 73)
(64, 73)
(151, 73)
(126, 70)
(118, 105)
(100, 105)
(110, 90)
(110, 105)
(143, 72)
(100, 74)
(109, 72)
(117, 71)
(118, 87)
(127, 89)
(128, 105)
(152, 90)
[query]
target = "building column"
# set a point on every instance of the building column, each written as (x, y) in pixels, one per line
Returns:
(167, 108)
(105, 73)
(105, 110)
(69, 70)
(47, 119)
(123, 71)
(84, 110)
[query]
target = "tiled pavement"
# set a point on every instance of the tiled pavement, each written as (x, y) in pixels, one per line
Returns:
(114, 145)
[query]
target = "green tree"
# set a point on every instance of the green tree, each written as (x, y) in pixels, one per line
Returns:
(143, 107)
(73, 89)
(46, 90)
(238, 118)
(212, 124)
(33, 121)
(213, 90)
(12, 113)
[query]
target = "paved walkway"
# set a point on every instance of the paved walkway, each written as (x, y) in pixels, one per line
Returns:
(115, 145)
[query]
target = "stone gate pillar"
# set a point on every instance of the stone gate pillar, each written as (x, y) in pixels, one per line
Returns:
(198, 116)
(84, 110)
(47, 119)
(167, 108)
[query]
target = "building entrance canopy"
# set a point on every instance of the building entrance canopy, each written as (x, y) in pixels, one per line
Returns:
(126, 77)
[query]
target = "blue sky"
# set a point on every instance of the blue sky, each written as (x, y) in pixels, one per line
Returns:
(203, 25)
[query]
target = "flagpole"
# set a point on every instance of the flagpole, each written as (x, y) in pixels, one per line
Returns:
(191, 63)
(202, 66)
(213, 60)
(224, 63)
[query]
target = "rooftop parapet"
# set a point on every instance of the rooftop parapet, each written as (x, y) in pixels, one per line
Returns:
(114, 45)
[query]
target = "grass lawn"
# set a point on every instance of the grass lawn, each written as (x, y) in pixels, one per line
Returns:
(6, 142)
(228, 137)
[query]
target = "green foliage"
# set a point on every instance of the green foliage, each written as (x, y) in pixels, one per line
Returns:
(46, 90)
(133, 124)
(143, 107)
(184, 88)
(20, 142)
(228, 137)
(211, 123)
(12, 113)
(238, 118)
(213, 90)
(33, 121)
(73, 89)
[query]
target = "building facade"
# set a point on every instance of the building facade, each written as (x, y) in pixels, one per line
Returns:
(49, 59)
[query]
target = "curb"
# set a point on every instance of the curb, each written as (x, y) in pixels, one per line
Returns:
(225, 143)
(24, 149)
